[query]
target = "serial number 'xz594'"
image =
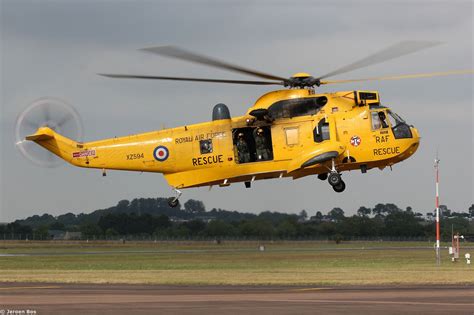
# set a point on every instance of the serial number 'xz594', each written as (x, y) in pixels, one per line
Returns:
(135, 156)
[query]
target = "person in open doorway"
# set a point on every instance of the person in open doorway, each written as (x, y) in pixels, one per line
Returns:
(261, 145)
(242, 149)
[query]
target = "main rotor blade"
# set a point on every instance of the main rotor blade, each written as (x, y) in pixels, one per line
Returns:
(391, 52)
(178, 53)
(131, 76)
(407, 76)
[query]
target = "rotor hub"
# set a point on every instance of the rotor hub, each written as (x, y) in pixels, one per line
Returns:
(301, 75)
(302, 80)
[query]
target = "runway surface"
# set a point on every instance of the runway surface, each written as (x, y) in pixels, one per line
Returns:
(222, 250)
(152, 299)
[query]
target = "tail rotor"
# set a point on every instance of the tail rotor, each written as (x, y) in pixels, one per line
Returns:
(53, 113)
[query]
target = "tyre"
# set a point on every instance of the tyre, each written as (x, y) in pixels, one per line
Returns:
(334, 179)
(339, 187)
(323, 176)
(173, 202)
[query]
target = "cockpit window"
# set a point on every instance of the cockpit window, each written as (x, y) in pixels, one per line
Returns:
(394, 119)
(379, 120)
(297, 107)
(399, 127)
(376, 124)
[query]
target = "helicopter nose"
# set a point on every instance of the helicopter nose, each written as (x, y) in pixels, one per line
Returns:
(415, 141)
(415, 133)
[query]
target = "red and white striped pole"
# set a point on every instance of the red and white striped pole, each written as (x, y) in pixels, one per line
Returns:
(438, 258)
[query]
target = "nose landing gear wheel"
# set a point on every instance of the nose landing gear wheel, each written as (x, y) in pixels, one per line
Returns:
(334, 179)
(339, 187)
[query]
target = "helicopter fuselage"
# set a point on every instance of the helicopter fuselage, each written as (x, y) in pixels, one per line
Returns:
(304, 134)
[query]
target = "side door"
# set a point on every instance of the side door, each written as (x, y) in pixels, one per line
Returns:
(289, 138)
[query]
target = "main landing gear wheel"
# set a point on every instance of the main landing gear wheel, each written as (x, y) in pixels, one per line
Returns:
(323, 176)
(173, 202)
(339, 187)
(334, 179)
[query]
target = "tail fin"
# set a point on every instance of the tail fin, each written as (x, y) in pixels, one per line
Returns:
(54, 142)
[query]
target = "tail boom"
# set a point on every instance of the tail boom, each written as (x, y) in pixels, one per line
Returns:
(131, 153)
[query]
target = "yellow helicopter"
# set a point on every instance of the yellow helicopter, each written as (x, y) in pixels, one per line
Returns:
(294, 132)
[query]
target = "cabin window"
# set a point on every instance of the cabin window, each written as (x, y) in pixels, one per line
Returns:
(205, 146)
(321, 131)
(297, 107)
(292, 136)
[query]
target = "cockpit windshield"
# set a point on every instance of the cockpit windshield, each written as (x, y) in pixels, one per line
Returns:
(400, 128)
(394, 118)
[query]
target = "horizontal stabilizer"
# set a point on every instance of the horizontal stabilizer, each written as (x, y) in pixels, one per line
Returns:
(40, 137)
(42, 134)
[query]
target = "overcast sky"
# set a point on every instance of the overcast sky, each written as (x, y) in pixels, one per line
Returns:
(54, 48)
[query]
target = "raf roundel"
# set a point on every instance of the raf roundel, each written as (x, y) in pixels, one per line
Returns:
(161, 153)
(355, 141)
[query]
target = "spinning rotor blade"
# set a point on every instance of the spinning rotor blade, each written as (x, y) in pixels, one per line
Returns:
(399, 77)
(66, 119)
(178, 53)
(46, 113)
(131, 76)
(391, 52)
(51, 112)
(30, 124)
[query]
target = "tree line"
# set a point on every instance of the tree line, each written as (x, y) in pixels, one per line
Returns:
(153, 217)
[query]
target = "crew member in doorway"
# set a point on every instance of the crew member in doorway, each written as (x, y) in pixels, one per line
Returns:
(242, 149)
(261, 145)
